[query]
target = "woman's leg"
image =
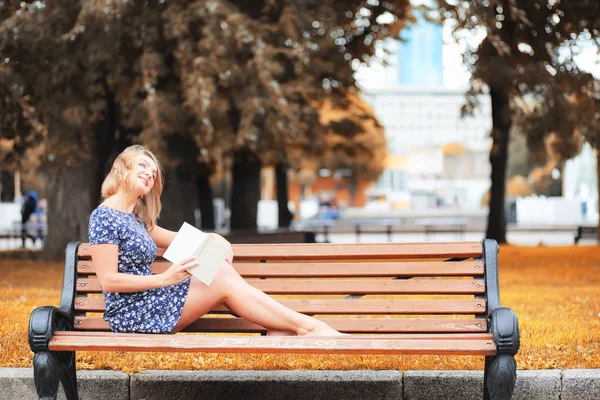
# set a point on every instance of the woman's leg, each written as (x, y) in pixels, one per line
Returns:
(231, 289)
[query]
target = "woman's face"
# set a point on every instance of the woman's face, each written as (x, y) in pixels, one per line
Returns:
(144, 172)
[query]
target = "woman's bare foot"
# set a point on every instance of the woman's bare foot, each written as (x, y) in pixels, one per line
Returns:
(279, 332)
(318, 328)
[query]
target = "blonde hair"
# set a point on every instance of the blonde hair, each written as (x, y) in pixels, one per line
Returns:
(148, 207)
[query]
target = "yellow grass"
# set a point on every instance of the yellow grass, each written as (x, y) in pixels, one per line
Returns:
(555, 291)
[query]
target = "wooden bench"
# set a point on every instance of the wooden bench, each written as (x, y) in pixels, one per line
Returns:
(586, 232)
(409, 298)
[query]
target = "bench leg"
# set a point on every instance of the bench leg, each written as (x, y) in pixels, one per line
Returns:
(68, 375)
(51, 368)
(499, 377)
(46, 375)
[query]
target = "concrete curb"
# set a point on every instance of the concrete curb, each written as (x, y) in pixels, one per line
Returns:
(572, 384)
(267, 385)
(581, 384)
(17, 383)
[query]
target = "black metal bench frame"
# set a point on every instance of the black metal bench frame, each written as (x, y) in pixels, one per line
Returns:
(586, 232)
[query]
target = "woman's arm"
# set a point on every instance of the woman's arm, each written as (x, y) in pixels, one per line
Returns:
(161, 236)
(105, 258)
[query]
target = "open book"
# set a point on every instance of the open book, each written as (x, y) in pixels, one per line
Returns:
(208, 252)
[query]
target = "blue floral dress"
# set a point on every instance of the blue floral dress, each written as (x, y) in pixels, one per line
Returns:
(147, 311)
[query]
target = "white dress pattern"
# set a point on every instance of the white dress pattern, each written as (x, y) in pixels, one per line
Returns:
(147, 311)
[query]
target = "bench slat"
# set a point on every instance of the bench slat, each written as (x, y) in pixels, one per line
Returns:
(316, 269)
(272, 344)
(346, 306)
(355, 325)
(322, 251)
(420, 336)
(374, 286)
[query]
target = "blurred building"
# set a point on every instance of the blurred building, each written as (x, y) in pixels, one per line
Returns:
(419, 57)
(437, 157)
(580, 182)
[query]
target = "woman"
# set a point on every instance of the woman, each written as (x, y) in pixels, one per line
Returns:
(123, 241)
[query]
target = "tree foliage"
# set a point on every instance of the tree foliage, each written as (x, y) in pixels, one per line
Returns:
(85, 78)
(234, 74)
(354, 138)
(530, 48)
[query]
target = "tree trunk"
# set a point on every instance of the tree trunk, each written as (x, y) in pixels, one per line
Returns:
(245, 191)
(180, 193)
(205, 203)
(110, 140)
(501, 122)
(281, 182)
(73, 191)
(352, 188)
(7, 186)
(72, 194)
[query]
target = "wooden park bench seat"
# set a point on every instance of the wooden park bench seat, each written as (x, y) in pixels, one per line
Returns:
(408, 298)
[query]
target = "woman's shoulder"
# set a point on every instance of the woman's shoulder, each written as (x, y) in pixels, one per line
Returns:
(103, 226)
(100, 215)
(107, 214)
(103, 212)
(100, 211)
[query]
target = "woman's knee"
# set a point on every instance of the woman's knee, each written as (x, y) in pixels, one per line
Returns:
(227, 280)
(228, 271)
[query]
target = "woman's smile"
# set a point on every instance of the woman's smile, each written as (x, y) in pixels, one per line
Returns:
(145, 180)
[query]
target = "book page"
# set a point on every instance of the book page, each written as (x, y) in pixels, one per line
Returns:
(210, 259)
(192, 242)
(187, 240)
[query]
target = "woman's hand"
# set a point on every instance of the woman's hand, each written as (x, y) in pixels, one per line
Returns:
(178, 272)
(224, 242)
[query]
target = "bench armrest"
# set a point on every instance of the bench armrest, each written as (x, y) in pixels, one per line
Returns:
(505, 328)
(43, 322)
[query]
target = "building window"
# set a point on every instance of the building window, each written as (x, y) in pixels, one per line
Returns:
(392, 180)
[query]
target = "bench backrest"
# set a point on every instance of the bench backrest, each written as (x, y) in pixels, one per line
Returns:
(587, 230)
(357, 288)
